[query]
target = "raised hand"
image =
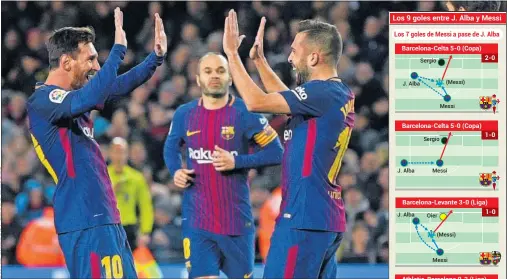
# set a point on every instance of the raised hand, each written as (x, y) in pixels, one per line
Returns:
(160, 37)
(257, 50)
(119, 35)
(232, 39)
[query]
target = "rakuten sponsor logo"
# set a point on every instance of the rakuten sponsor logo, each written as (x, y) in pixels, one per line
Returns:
(203, 156)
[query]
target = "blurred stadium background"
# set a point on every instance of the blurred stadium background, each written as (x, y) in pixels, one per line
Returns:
(143, 118)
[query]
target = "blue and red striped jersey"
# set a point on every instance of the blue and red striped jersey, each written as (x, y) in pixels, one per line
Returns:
(62, 135)
(316, 138)
(84, 197)
(219, 202)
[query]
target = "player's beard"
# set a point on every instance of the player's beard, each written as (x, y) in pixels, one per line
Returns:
(302, 75)
(80, 79)
(215, 93)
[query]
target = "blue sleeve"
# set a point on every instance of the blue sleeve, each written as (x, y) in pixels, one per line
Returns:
(270, 154)
(309, 99)
(173, 142)
(132, 79)
(259, 130)
(255, 123)
(61, 104)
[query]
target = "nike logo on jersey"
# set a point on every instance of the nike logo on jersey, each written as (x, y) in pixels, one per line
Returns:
(189, 133)
(246, 276)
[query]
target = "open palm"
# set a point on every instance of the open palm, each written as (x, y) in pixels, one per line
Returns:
(232, 39)
(257, 50)
(160, 37)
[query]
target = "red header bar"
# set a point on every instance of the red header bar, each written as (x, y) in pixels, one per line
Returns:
(421, 48)
(446, 125)
(446, 276)
(447, 18)
(447, 202)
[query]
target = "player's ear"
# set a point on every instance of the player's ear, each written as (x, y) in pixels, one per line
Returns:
(65, 62)
(314, 59)
(197, 80)
(230, 79)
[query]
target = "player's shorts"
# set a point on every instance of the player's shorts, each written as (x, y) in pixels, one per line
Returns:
(98, 252)
(207, 253)
(295, 253)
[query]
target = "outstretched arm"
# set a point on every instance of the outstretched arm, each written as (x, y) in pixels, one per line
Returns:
(255, 99)
(132, 79)
(271, 81)
(63, 104)
(138, 75)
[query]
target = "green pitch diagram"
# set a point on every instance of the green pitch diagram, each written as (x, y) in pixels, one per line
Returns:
(463, 81)
(429, 234)
(447, 155)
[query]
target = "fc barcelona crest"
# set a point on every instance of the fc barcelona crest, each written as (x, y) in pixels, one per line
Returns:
(227, 132)
(486, 179)
(496, 257)
(485, 102)
(485, 258)
(488, 102)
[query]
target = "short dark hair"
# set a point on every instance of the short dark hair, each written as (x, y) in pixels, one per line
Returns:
(326, 36)
(477, 6)
(66, 40)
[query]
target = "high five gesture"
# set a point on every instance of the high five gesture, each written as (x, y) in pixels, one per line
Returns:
(160, 37)
(232, 39)
(257, 50)
(119, 34)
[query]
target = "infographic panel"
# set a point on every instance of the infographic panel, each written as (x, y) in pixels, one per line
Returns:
(447, 231)
(447, 145)
(445, 78)
(442, 155)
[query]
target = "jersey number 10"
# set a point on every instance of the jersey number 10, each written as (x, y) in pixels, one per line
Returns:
(113, 267)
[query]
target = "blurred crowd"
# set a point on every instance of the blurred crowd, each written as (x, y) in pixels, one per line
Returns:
(144, 118)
